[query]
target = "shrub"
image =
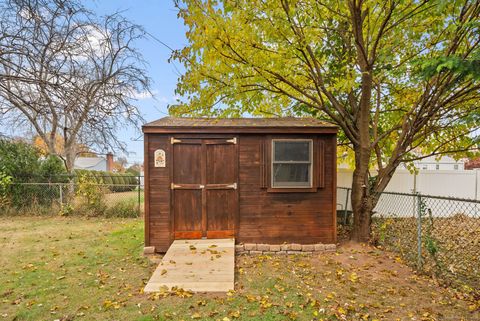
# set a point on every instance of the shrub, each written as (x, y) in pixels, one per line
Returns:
(133, 170)
(66, 210)
(133, 181)
(116, 183)
(126, 208)
(107, 180)
(91, 195)
(129, 182)
(19, 160)
(122, 182)
(98, 177)
(24, 163)
(78, 174)
(53, 168)
(5, 183)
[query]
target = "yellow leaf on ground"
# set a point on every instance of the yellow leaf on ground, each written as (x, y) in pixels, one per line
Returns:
(235, 314)
(353, 277)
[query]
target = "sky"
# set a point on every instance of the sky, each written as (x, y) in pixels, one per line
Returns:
(158, 18)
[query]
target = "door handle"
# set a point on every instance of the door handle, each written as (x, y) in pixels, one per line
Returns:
(234, 186)
(186, 186)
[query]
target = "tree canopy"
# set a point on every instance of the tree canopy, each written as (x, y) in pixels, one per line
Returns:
(400, 78)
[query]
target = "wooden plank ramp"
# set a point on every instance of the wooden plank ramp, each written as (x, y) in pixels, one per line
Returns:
(196, 265)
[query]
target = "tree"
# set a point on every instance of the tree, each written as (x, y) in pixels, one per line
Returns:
(82, 150)
(120, 164)
(400, 78)
(67, 73)
(135, 170)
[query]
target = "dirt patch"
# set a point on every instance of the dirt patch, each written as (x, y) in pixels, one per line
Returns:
(360, 282)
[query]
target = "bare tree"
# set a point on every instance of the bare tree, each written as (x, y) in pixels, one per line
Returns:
(65, 72)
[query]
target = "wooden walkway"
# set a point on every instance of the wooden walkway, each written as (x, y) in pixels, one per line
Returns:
(196, 265)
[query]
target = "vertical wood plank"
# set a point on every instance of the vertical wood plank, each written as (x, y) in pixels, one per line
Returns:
(237, 192)
(204, 191)
(333, 142)
(146, 190)
(320, 166)
(171, 232)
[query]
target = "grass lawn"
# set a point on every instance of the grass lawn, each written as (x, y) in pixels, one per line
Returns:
(113, 198)
(92, 269)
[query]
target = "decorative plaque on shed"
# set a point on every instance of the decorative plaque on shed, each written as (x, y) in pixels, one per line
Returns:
(159, 158)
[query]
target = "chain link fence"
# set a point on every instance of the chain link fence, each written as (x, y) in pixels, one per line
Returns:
(90, 196)
(436, 235)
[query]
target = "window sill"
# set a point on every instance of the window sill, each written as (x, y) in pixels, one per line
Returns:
(291, 190)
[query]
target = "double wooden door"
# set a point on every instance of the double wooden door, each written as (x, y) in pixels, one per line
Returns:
(204, 187)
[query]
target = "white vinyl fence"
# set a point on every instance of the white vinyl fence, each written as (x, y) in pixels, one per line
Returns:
(453, 185)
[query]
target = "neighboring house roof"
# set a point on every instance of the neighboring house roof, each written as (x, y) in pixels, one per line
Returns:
(238, 124)
(94, 163)
(473, 163)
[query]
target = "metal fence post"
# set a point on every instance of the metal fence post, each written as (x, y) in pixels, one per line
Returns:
(139, 186)
(419, 231)
(61, 194)
(345, 214)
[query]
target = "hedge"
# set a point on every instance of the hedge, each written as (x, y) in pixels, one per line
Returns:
(116, 182)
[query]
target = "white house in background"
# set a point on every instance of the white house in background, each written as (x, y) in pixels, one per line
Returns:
(95, 163)
(446, 163)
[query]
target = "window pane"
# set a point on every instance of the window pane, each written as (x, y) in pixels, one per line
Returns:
(292, 151)
(296, 175)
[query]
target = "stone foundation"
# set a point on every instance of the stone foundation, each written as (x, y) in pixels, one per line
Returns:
(148, 250)
(283, 249)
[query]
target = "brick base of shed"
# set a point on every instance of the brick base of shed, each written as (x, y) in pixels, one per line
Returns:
(283, 249)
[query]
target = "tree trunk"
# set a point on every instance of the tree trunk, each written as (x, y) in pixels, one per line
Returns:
(70, 155)
(69, 160)
(362, 203)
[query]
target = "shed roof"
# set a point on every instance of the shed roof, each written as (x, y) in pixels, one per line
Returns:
(238, 125)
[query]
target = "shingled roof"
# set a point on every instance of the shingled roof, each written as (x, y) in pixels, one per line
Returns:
(178, 124)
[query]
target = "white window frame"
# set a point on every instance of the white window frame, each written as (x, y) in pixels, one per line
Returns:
(272, 162)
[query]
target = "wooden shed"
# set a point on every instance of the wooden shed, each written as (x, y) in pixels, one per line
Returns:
(269, 180)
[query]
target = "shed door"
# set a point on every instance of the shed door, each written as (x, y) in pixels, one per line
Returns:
(204, 187)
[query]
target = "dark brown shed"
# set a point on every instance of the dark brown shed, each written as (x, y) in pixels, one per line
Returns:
(261, 180)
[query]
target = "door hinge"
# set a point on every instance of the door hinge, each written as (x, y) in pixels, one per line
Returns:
(233, 140)
(174, 140)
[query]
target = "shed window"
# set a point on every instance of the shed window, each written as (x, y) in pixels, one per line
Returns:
(291, 163)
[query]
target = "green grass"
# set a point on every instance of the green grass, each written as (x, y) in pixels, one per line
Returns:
(92, 269)
(113, 198)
